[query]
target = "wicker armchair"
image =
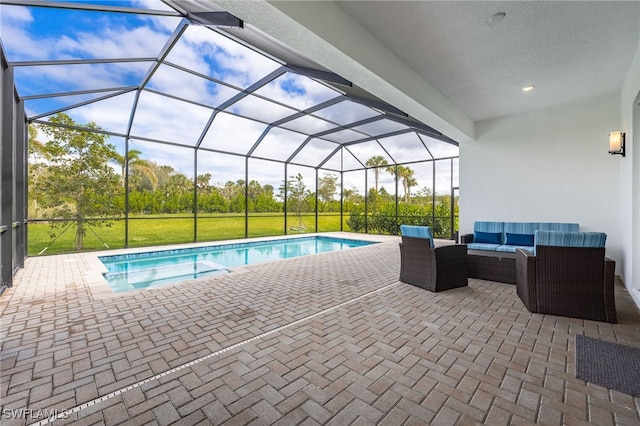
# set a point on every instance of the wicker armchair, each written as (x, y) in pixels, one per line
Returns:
(434, 269)
(567, 281)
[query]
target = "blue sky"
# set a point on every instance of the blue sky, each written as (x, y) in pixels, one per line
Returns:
(32, 34)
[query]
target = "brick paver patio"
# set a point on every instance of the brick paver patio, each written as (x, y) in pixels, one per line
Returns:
(326, 339)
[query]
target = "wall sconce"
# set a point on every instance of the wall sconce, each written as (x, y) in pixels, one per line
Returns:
(616, 143)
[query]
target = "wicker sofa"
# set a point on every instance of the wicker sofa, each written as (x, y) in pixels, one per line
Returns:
(429, 267)
(567, 274)
(510, 236)
(492, 246)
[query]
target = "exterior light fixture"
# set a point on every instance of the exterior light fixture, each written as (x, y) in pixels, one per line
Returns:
(528, 88)
(616, 143)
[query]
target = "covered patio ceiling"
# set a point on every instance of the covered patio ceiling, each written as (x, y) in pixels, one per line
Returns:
(182, 74)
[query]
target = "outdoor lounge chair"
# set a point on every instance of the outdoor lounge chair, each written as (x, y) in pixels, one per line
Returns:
(568, 275)
(429, 267)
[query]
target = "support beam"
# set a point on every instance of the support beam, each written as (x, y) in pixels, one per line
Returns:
(6, 177)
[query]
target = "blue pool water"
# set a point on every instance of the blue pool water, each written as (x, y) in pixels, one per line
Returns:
(151, 269)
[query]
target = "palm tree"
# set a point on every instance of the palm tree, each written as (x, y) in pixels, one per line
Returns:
(133, 161)
(203, 181)
(408, 181)
(406, 174)
(376, 161)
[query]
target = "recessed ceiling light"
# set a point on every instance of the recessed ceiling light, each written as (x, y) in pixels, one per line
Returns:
(496, 18)
(528, 88)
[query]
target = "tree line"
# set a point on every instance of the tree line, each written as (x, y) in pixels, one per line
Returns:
(77, 175)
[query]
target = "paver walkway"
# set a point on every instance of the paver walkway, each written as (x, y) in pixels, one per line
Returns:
(325, 339)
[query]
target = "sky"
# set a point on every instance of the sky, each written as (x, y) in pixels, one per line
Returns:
(43, 34)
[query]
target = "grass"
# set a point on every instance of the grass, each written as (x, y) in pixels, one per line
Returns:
(173, 229)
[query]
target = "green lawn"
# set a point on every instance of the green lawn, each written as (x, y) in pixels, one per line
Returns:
(173, 229)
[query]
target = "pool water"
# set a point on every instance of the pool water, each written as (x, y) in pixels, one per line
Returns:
(150, 269)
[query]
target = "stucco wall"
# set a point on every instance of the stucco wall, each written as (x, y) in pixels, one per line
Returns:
(549, 165)
(630, 178)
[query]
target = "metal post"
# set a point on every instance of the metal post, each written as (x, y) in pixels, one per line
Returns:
(286, 189)
(341, 190)
(6, 182)
(433, 197)
(397, 223)
(316, 200)
(397, 178)
(20, 182)
(366, 203)
(246, 197)
(452, 206)
(195, 195)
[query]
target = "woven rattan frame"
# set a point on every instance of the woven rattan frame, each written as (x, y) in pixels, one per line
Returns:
(567, 281)
(434, 269)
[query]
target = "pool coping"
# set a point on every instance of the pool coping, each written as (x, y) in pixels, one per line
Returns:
(100, 289)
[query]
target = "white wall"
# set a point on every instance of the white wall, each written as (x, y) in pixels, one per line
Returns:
(630, 178)
(549, 165)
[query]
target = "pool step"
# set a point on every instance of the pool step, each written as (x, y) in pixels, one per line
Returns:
(150, 277)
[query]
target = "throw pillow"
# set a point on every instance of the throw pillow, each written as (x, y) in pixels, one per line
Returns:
(519, 239)
(488, 237)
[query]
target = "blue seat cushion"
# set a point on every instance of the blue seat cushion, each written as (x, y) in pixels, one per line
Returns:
(512, 249)
(483, 246)
(418, 232)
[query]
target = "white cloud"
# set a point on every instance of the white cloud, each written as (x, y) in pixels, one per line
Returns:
(297, 91)
(62, 78)
(232, 134)
(181, 159)
(162, 118)
(405, 147)
(223, 167)
(440, 149)
(315, 152)
(346, 112)
(110, 114)
(364, 151)
(15, 14)
(14, 22)
(266, 172)
(248, 66)
(150, 4)
(279, 144)
(260, 109)
(112, 41)
(179, 83)
(212, 54)
(94, 35)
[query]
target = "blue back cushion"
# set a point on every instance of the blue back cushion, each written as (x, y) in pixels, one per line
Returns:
(418, 232)
(488, 226)
(565, 227)
(480, 228)
(570, 239)
(523, 228)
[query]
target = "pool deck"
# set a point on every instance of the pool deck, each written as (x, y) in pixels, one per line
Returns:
(333, 338)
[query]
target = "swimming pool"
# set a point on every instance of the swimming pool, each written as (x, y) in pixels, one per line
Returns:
(151, 269)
